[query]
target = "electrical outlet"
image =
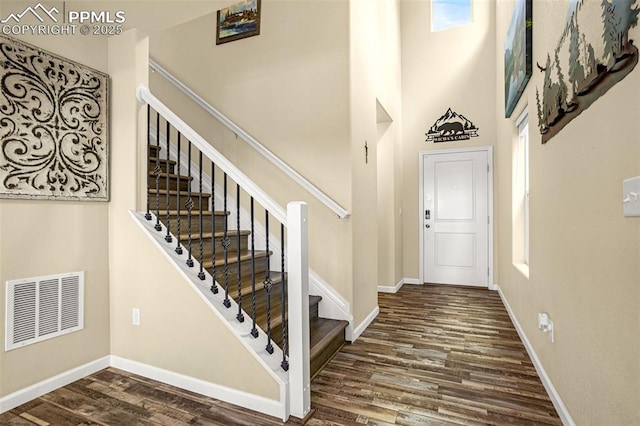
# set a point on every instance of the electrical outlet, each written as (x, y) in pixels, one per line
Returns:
(135, 316)
(545, 324)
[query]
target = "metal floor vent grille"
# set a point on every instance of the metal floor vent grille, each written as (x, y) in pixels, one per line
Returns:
(42, 308)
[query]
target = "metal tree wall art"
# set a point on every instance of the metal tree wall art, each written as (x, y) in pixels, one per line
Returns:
(594, 60)
(53, 126)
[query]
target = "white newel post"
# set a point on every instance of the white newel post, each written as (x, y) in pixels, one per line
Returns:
(298, 299)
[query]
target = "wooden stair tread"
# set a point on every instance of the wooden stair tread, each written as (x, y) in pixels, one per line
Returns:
(314, 300)
(207, 235)
(183, 212)
(233, 258)
(161, 160)
(171, 176)
(322, 331)
(245, 289)
(325, 341)
(175, 192)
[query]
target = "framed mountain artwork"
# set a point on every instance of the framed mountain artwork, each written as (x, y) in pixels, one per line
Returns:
(517, 55)
(238, 21)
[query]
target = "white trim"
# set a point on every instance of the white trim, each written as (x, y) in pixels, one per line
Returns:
(564, 414)
(222, 393)
(391, 289)
(421, 155)
(34, 391)
(413, 281)
(252, 142)
(363, 325)
(298, 308)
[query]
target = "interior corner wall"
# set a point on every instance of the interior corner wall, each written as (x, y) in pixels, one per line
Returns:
(584, 254)
(178, 332)
(386, 71)
(50, 237)
(455, 69)
(364, 243)
(289, 88)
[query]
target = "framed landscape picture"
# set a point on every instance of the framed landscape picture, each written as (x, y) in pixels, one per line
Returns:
(517, 55)
(238, 21)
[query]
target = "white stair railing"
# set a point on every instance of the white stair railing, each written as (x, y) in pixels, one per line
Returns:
(294, 218)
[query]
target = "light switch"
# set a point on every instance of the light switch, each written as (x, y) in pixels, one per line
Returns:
(631, 196)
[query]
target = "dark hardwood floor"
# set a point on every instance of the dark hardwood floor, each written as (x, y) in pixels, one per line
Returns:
(435, 355)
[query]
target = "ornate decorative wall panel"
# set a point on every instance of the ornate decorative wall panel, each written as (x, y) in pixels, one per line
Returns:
(53, 126)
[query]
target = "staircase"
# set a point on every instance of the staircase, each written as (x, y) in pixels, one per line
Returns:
(202, 235)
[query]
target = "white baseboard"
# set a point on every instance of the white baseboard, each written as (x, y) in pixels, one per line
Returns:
(391, 289)
(32, 392)
(357, 331)
(397, 287)
(222, 393)
(564, 414)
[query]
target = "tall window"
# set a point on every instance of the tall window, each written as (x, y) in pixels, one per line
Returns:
(520, 192)
(523, 137)
(447, 14)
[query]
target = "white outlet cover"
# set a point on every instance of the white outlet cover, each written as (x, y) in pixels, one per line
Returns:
(631, 196)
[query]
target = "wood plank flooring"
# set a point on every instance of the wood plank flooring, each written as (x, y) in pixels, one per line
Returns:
(435, 355)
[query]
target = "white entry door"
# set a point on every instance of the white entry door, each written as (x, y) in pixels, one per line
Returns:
(456, 218)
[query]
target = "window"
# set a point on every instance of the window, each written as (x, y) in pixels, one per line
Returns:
(447, 14)
(520, 193)
(523, 138)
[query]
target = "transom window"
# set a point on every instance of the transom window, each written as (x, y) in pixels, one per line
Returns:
(447, 14)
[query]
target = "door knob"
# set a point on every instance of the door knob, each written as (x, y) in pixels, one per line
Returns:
(427, 226)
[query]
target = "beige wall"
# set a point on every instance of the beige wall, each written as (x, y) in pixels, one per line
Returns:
(585, 256)
(389, 142)
(287, 87)
(49, 237)
(364, 243)
(448, 69)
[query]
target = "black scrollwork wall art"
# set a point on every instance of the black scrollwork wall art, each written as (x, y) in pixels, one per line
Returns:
(53, 126)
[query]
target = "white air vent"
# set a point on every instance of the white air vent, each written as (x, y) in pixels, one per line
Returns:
(42, 308)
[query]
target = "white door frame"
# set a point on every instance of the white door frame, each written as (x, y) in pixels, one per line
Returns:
(489, 151)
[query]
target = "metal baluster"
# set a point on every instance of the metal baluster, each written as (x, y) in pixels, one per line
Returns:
(285, 322)
(214, 287)
(167, 237)
(179, 244)
(201, 274)
(157, 171)
(254, 330)
(268, 284)
(148, 214)
(189, 204)
(240, 316)
(225, 246)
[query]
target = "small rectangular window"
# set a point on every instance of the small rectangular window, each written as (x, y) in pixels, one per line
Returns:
(447, 14)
